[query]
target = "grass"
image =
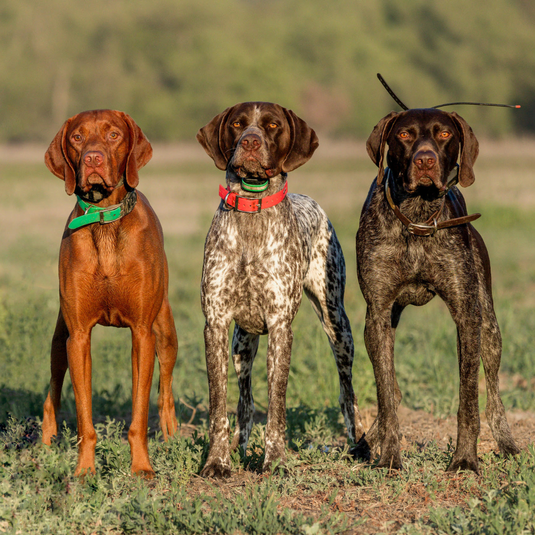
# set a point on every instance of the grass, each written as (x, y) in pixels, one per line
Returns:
(323, 490)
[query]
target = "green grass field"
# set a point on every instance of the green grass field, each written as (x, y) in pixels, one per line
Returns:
(324, 491)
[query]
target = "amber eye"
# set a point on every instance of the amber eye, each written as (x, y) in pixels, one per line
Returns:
(236, 124)
(273, 125)
(77, 138)
(404, 134)
(445, 135)
(114, 135)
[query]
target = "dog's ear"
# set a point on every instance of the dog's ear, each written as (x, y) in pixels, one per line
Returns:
(210, 137)
(469, 151)
(303, 142)
(57, 160)
(377, 141)
(139, 150)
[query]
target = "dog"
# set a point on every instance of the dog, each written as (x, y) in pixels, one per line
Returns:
(415, 240)
(112, 271)
(263, 249)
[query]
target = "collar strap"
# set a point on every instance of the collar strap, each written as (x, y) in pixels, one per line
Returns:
(96, 214)
(431, 225)
(453, 180)
(244, 204)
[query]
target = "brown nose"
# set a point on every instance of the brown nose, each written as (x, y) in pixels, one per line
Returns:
(425, 159)
(93, 158)
(251, 142)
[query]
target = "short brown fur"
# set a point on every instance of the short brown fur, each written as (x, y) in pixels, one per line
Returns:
(112, 274)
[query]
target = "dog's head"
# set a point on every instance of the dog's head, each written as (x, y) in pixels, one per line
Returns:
(95, 149)
(258, 140)
(423, 148)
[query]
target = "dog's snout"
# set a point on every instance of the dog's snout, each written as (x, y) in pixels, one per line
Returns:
(93, 158)
(251, 142)
(425, 159)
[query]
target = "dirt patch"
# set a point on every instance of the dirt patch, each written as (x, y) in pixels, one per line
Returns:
(369, 513)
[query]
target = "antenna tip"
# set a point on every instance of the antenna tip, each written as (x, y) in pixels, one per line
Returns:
(518, 106)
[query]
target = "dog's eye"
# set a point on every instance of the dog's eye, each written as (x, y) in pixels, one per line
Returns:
(445, 135)
(404, 134)
(236, 124)
(273, 125)
(77, 138)
(114, 135)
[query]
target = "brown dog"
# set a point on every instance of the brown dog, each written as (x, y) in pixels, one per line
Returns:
(415, 241)
(112, 271)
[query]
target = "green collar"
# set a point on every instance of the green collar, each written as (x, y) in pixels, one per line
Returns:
(96, 214)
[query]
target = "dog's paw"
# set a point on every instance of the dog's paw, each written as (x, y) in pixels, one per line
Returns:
(463, 463)
(216, 470)
(390, 460)
(276, 466)
(509, 448)
(145, 474)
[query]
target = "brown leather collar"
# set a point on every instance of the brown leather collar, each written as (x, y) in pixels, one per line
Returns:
(431, 225)
(244, 204)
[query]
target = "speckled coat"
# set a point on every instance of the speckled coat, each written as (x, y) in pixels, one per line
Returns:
(256, 266)
(396, 269)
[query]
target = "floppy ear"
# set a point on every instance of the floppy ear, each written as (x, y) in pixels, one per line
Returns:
(139, 151)
(377, 141)
(469, 151)
(303, 142)
(210, 137)
(58, 162)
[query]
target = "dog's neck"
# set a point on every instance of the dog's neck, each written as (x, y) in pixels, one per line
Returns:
(234, 183)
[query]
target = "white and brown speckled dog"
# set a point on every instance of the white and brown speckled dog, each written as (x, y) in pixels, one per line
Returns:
(263, 248)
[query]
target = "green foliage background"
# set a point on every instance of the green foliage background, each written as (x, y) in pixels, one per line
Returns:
(173, 64)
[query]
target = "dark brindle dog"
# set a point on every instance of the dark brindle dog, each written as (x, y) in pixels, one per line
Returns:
(414, 242)
(263, 249)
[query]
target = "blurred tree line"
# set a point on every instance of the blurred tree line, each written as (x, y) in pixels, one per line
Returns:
(173, 64)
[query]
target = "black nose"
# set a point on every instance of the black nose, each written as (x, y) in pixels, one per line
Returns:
(93, 158)
(250, 142)
(425, 159)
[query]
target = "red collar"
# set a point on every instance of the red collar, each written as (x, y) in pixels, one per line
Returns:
(244, 204)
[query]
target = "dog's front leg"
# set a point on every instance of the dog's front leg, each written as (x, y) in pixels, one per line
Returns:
(216, 341)
(143, 353)
(468, 348)
(278, 368)
(379, 340)
(79, 357)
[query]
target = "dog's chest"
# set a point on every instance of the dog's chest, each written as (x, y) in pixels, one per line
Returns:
(253, 268)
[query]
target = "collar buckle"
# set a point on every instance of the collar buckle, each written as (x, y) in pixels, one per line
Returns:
(258, 204)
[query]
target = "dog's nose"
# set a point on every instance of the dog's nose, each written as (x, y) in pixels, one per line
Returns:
(425, 159)
(93, 158)
(251, 142)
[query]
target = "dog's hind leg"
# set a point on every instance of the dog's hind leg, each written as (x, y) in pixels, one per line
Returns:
(166, 350)
(491, 352)
(244, 348)
(58, 368)
(324, 286)
(491, 349)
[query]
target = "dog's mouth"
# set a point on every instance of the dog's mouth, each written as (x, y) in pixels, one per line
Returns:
(423, 180)
(95, 194)
(94, 188)
(251, 171)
